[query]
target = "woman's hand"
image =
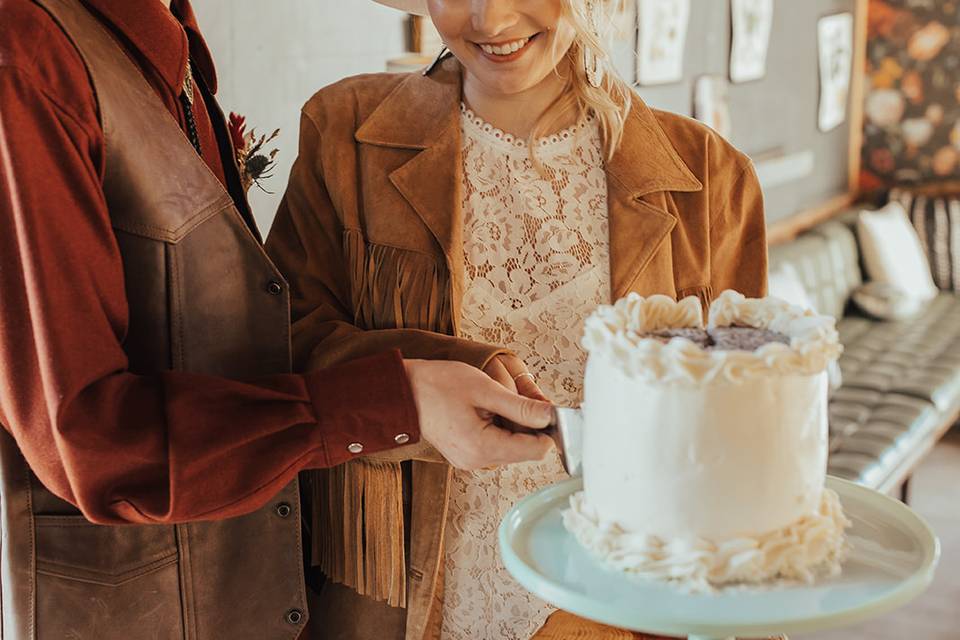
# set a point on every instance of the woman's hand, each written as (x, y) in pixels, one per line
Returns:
(511, 372)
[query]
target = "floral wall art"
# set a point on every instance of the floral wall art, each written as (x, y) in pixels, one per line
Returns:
(912, 108)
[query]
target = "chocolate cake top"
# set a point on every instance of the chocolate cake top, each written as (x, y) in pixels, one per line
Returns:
(744, 338)
(697, 336)
(722, 338)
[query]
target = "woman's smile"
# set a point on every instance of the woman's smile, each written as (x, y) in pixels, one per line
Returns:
(505, 51)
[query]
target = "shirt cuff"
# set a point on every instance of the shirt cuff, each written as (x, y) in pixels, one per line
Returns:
(363, 407)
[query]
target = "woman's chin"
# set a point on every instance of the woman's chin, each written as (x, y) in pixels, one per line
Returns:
(503, 82)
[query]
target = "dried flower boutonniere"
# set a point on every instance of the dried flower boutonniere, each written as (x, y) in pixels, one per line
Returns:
(254, 163)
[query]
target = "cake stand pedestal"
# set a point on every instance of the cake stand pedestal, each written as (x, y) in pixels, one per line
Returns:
(893, 557)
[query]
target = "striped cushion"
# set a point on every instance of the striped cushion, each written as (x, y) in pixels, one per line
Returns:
(937, 220)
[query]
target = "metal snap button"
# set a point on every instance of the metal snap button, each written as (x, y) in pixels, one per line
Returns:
(284, 510)
(355, 447)
(275, 288)
(294, 616)
(402, 438)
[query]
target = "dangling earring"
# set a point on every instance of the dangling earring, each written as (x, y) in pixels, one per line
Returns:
(436, 61)
(594, 68)
(591, 62)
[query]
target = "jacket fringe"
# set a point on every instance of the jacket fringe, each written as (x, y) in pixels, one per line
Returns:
(358, 538)
(380, 273)
(358, 524)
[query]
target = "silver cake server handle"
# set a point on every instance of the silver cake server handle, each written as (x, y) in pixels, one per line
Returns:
(566, 429)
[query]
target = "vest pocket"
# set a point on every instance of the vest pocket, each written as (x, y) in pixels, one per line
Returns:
(100, 582)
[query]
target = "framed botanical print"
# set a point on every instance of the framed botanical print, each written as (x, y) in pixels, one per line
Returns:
(662, 36)
(711, 104)
(752, 22)
(835, 43)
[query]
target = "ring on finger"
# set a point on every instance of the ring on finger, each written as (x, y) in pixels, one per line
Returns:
(525, 374)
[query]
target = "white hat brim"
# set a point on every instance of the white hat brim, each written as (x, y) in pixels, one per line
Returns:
(418, 7)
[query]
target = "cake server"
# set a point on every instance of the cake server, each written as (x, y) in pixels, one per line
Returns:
(566, 429)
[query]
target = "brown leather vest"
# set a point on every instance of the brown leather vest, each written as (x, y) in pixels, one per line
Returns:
(197, 284)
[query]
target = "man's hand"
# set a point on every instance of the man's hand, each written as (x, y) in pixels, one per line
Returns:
(457, 405)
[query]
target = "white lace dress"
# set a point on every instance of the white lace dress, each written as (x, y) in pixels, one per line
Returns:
(537, 264)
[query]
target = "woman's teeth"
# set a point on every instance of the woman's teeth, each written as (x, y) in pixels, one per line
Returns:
(504, 49)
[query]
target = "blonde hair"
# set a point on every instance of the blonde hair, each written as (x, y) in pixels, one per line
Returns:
(610, 102)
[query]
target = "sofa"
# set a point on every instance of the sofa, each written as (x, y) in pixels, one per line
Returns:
(900, 389)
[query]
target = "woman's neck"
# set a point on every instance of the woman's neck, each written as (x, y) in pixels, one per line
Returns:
(516, 114)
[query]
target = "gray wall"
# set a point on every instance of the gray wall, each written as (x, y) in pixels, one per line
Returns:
(774, 118)
(272, 56)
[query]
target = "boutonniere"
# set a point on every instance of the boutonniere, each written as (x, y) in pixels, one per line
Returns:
(254, 163)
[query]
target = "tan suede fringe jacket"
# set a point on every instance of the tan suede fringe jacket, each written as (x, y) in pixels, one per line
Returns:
(369, 237)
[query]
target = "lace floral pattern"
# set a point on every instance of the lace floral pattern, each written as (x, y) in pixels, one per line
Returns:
(537, 264)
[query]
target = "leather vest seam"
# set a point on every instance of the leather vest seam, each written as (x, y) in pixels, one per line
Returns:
(33, 557)
(176, 306)
(298, 557)
(76, 574)
(175, 234)
(190, 630)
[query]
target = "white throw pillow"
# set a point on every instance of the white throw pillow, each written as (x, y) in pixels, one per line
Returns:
(784, 282)
(892, 252)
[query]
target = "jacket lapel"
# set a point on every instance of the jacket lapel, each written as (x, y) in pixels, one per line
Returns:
(645, 163)
(423, 115)
(430, 182)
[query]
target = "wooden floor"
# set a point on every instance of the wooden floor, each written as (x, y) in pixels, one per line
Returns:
(935, 495)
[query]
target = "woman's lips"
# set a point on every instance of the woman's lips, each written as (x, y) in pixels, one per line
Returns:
(516, 49)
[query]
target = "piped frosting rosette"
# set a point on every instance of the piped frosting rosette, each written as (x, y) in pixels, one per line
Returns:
(620, 330)
(813, 546)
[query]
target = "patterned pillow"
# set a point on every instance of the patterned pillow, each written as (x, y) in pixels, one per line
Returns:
(936, 218)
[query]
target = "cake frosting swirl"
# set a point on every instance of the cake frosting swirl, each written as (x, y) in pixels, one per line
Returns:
(705, 466)
(812, 546)
(619, 330)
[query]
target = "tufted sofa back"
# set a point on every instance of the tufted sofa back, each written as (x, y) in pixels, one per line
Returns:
(827, 259)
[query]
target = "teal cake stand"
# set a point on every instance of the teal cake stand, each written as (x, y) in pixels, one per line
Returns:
(893, 558)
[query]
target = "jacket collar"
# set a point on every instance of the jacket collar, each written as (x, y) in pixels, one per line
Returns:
(420, 111)
(424, 109)
(423, 114)
(161, 37)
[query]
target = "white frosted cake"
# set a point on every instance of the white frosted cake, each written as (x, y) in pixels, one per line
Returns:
(705, 448)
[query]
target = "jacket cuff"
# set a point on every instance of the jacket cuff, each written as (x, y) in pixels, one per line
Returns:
(363, 407)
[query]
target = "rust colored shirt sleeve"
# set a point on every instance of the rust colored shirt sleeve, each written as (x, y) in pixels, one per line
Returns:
(171, 447)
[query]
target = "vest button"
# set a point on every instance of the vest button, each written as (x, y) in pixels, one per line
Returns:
(294, 616)
(355, 447)
(283, 510)
(275, 288)
(402, 438)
